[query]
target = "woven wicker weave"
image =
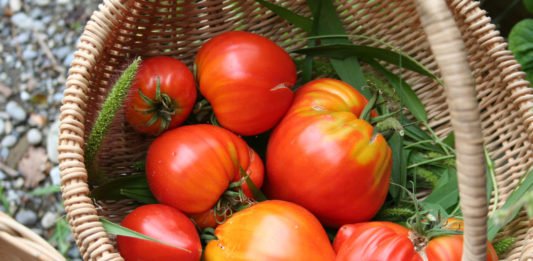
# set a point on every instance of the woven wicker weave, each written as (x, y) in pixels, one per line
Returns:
(18, 243)
(123, 29)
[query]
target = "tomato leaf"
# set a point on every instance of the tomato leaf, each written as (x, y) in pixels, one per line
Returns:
(119, 230)
(446, 194)
(406, 94)
(521, 44)
(509, 209)
(328, 22)
(297, 20)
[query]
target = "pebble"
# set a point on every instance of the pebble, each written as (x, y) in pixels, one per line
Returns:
(8, 127)
(26, 217)
(29, 54)
(2, 175)
(62, 52)
(37, 120)
(42, 2)
(52, 142)
(55, 176)
(11, 194)
(9, 141)
(24, 95)
(48, 220)
(15, 5)
(22, 38)
(68, 60)
(4, 152)
(22, 20)
(34, 136)
(2, 126)
(16, 111)
(18, 183)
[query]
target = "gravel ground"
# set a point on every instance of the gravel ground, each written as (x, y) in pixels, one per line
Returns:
(37, 41)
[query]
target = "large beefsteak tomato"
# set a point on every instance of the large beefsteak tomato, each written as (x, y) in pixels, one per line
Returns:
(247, 79)
(190, 167)
(177, 234)
(272, 230)
(161, 97)
(323, 157)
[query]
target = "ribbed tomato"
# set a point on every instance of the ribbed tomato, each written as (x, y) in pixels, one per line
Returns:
(247, 79)
(190, 167)
(389, 241)
(270, 231)
(177, 234)
(161, 97)
(324, 158)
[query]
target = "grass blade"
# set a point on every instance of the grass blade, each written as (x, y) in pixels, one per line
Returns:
(340, 50)
(119, 230)
(407, 95)
(297, 20)
(347, 67)
(114, 190)
(446, 194)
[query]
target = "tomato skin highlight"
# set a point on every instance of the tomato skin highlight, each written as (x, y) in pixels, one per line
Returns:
(247, 79)
(271, 230)
(164, 224)
(175, 81)
(190, 167)
(324, 158)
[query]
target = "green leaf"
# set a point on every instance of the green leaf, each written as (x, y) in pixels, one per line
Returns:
(42, 191)
(508, 208)
(529, 5)
(503, 245)
(406, 94)
(399, 166)
(328, 23)
(368, 53)
(297, 20)
(111, 105)
(446, 194)
(126, 187)
(119, 230)
(450, 140)
(521, 44)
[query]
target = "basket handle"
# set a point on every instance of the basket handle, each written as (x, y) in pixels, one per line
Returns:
(449, 50)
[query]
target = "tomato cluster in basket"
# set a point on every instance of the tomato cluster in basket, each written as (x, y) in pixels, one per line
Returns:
(252, 170)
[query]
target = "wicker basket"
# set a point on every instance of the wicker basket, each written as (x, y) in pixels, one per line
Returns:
(18, 243)
(453, 38)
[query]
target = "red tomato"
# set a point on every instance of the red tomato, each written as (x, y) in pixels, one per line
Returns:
(389, 241)
(161, 96)
(190, 167)
(324, 158)
(247, 79)
(177, 234)
(270, 231)
(451, 248)
(375, 241)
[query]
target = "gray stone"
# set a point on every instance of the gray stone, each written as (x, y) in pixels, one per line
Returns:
(24, 96)
(41, 2)
(68, 60)
(58, 97)
(34, 136)
(22, 20)
(22, 37)
(52, 142)
(2, 175)
(48, 220)
(4, 152)
(62, 2)
(8, 127)
(26, 217)
(11, 194)
(18, 183)
(29, 54)
(2, 126)
(9, 141)
(55, 176)
(16, 111)
(15, 5)
(62, 52)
